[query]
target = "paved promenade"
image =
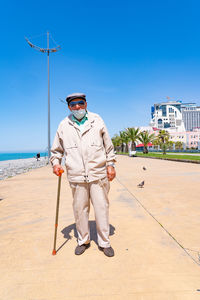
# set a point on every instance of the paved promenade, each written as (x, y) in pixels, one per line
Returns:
(154, 231)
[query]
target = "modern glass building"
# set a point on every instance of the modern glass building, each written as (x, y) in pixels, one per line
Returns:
(167, 115)
(191, 116)
(175, 116)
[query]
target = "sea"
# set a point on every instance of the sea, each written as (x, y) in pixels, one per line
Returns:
(22, 155)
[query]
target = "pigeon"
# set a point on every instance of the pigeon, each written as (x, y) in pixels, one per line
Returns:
(141, 185)
(144, 168)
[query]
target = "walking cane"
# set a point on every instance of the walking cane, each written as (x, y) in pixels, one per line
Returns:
(57, 211)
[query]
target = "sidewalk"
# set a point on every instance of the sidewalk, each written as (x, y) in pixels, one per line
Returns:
(151, 228)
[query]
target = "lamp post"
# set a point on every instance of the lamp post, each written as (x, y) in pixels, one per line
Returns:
(48, 51)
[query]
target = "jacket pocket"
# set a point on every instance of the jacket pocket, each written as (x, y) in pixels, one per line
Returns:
(96, 144)
(105, 184)
(72, 157)
(72, 146)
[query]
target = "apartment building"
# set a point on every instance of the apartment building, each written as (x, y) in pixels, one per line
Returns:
(167, 116)
(175, 116)
(191, 116)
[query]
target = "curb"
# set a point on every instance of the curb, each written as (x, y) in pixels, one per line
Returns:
(171, 159)
(174, 159)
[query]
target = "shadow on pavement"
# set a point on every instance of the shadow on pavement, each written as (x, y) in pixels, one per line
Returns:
(70, 231)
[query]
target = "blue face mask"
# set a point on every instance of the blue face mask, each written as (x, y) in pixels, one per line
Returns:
(79, 114)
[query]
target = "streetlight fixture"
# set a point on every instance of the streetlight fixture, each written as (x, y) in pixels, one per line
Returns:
(48, 51)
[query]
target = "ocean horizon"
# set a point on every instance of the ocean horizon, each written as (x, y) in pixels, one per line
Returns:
(20, 155)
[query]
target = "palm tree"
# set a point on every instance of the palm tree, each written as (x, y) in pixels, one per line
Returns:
(116, 140)
(156, 143)
(146, 138)
(133, 134)
(170, 145)
(124, 139)
(179, 145)
(163, 138)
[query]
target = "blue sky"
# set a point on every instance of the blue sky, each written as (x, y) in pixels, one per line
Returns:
(125, 55)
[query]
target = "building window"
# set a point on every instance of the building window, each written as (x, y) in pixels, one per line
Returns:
(164, 111)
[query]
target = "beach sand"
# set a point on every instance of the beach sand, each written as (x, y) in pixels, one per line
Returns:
(154, 231)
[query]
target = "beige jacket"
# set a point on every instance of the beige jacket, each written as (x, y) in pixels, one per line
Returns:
(87, 153)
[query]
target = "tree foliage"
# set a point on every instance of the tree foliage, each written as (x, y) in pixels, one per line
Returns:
(163, 139)
(145, 138)
(133, 134)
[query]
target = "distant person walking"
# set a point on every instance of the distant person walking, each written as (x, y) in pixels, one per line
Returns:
(38, 156)
(89, 156)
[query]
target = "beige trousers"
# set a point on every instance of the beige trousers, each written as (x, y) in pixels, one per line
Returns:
(97, 191)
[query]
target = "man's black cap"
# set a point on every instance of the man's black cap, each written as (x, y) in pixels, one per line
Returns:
(75, 96)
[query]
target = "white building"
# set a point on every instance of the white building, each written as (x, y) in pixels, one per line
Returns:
(181, 120)
(191, 116)
(167, 116)
(175, 116)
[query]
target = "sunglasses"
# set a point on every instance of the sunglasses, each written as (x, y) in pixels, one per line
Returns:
(81, 103)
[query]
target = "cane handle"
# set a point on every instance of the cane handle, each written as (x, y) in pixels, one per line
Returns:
(60, 172)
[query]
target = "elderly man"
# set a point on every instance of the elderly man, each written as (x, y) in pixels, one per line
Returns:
(83, 139)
